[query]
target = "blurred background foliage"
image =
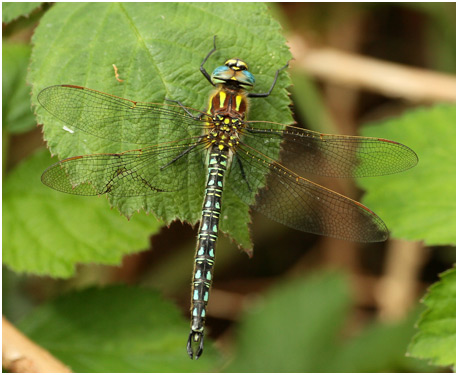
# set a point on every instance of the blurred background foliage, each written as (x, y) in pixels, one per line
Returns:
(303, 303)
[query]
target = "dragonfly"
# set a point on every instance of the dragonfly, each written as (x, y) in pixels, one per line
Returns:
(266, 164)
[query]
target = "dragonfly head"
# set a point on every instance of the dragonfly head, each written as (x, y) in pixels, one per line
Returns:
(234, 72)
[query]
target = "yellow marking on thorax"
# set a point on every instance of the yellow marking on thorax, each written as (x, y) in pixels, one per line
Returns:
(210, 105)
(238, 101)
(222, 98)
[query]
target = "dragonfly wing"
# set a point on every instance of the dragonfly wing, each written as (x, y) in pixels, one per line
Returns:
(117, 119)
(306, 152)
(301, 204)
(131, 173)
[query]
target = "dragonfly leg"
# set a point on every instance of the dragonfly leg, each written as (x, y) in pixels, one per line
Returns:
(242, 171)
(266, 94)
(184, 109)
(202, 69)
(187, 151)
(194, 338)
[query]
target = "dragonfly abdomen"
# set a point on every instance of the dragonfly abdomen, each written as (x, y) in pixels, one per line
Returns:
(205, 251)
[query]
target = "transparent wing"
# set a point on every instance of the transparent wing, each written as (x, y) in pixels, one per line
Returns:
(299, 203)
(162, 168)
(307, 152)
(117, 119)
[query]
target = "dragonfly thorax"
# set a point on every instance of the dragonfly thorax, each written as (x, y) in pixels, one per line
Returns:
(225, 131)
(228, 103)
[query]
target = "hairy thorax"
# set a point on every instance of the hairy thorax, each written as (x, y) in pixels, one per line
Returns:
(228, 109)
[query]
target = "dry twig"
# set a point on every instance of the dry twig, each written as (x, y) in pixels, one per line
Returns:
(397, 291)
(19, 354)
(394, 80)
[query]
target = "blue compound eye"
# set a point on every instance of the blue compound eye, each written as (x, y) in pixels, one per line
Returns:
(233, 71)
(220, 70)
(221, 74)
(249, 78)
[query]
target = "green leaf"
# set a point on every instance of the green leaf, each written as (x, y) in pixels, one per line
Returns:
(158, 48)
(115, 329)
(305, 319)
(418, 204)
(310, 105)
(380, 347)
(17, 115)
(48, 233)
(13, 10)
(436, 337)
(290, 331)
